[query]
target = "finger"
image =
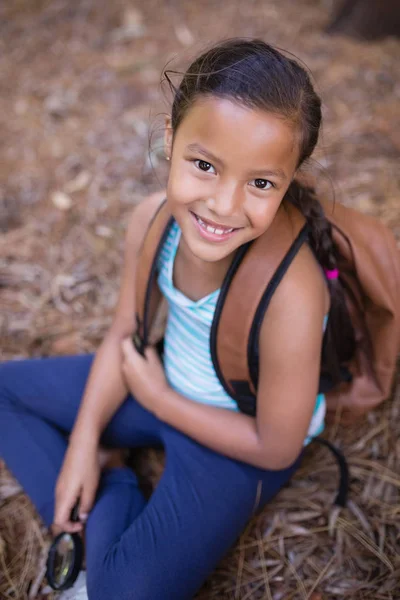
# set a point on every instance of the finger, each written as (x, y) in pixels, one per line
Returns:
(150, 359)
(63, 509)
(70, 527)
(149, 352)
(87, 500)
(62, 516)
(151, 355)
(127, 347)
(66, 527)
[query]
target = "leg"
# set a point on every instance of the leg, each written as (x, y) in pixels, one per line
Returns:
(39, 400)
(195, 515)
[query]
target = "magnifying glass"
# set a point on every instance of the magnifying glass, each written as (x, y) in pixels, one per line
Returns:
(65, 557)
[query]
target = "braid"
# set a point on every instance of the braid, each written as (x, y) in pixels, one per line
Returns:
(339, 343)
(305, 199)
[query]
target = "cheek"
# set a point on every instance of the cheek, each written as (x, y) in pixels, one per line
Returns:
(181, 189)
(262, 213)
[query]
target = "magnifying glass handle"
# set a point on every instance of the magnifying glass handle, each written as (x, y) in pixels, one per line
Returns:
(75, 512)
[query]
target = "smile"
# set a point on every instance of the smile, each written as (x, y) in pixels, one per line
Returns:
(213, 232)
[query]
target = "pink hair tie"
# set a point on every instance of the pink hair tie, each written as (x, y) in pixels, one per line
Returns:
(331, 273)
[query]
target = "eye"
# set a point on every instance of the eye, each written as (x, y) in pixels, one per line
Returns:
(203, 165)
(262, 184)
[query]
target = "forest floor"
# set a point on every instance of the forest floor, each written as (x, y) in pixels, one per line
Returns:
(81, 121)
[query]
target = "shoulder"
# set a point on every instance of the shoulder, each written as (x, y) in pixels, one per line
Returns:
(140, 218)
(302, 289)
(297, 308)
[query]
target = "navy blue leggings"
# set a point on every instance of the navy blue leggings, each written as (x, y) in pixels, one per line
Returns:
(137, 550)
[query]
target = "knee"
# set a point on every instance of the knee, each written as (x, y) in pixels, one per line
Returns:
(130, 581)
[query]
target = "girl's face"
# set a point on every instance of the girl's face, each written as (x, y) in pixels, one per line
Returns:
(230, 168)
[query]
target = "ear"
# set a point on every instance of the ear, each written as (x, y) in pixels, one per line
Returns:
(168, 136)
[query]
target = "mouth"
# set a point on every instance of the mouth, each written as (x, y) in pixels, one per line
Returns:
(211, 230)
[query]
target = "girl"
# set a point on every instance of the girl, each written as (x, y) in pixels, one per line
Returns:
(244, 119)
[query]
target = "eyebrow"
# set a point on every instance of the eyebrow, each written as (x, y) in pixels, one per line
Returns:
(197, 148)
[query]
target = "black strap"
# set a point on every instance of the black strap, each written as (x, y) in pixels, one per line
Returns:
(341, 498)
(254, 335)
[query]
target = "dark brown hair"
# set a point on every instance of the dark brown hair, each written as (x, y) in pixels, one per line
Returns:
(257, 75)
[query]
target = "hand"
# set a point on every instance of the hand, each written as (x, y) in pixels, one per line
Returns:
(144, 376)
(79, 478)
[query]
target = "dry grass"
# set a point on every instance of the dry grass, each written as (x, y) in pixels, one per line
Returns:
(78, 83)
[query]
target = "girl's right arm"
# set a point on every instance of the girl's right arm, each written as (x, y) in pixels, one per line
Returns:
(105, 388)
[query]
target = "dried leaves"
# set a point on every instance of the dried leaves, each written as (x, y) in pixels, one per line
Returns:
(79, 96)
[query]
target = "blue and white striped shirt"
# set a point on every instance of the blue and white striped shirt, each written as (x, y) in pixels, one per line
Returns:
(187, 357)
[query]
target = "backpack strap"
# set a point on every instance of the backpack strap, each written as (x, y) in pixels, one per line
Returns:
(344, 473)
(251, 280)
(148, 295)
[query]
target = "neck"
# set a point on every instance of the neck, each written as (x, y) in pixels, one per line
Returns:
(212, 272)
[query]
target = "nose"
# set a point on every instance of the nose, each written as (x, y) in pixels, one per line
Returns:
(225, 201)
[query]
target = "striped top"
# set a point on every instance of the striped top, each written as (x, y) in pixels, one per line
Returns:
(187, 357)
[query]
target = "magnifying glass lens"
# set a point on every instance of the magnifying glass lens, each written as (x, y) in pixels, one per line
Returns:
(63, 557)
(64, 561)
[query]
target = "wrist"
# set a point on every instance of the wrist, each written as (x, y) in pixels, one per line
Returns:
(84, 434)
(165, 402)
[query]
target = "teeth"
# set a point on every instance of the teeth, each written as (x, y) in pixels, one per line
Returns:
(216, 230)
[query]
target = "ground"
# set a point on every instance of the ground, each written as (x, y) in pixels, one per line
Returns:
(81, 117)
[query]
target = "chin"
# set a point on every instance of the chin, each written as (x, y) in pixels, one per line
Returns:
(212, 253)
(207, 253)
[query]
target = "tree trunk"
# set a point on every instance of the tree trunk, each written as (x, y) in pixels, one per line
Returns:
(367, 19)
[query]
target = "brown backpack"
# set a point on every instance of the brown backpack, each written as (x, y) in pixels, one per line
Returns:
(369, 265)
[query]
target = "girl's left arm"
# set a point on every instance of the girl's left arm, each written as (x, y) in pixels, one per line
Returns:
(290, 350)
